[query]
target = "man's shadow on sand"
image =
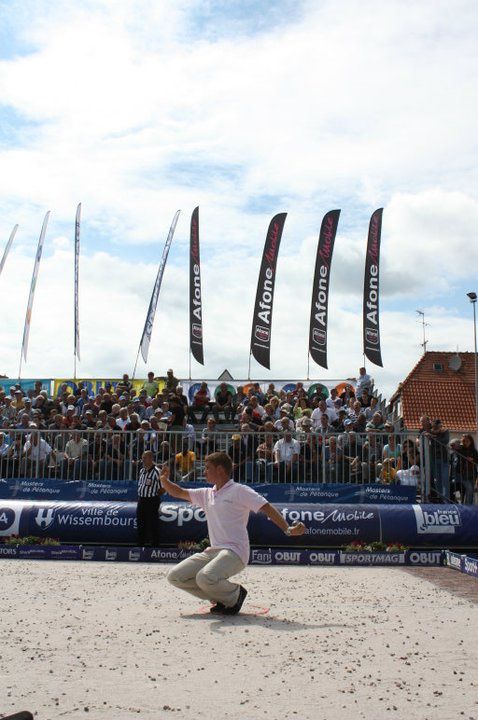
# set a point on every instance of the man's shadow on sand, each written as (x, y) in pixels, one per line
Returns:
(268, 622)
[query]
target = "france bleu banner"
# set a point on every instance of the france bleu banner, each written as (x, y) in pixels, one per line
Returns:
(148, 325)
(371, 327)
(7, 248)
(195, 299)
(320, 290)
(262, 319)
(77, 270)
(28, 317)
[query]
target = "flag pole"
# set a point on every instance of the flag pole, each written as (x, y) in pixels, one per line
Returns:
(136, 364)
(190, 362)
(308, 365)
(249, 370)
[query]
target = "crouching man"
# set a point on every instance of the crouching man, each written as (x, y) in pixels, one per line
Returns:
(227, 506)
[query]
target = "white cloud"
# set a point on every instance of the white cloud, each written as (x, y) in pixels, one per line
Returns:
(135, 111)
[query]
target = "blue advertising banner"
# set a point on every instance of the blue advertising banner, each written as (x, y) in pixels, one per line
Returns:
(258, 556)
(328, 525)
(26, 385)
(34, 489)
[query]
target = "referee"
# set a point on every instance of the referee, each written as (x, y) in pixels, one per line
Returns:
(149, 493)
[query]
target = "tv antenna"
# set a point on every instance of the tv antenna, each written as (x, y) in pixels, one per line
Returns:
(421, 313)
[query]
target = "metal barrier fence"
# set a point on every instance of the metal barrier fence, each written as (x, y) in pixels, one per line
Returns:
(302, 457)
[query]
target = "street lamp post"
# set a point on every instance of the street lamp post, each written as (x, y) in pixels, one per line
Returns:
(472, 297)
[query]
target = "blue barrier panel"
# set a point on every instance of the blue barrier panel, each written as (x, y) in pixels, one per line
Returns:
(258, 556)
(327, 525)
(36, 489)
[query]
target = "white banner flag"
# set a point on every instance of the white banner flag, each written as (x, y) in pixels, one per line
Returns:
(7, 249)
(28, 317)
(77, 268)
(148, 326)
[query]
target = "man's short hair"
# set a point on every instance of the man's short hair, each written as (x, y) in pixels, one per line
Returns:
(220, 459)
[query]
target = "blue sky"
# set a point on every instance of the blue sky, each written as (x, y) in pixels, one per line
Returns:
(246, 109)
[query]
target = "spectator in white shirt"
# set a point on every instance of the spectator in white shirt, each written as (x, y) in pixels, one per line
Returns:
(37, 451)
(364, 382)
(286, 457)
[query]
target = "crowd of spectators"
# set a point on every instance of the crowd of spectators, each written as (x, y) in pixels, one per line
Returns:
(271, 435)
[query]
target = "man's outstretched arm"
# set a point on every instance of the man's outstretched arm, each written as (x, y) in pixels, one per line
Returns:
(170, 487)
(276, 517)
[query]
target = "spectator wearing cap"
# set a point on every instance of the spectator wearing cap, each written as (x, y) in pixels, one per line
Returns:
(151, 386)
(286, 457)
(139, 408)
(8, 412)
(89, 420)
(69, 415)
(171, 381)
(82, 400)
(18, 402)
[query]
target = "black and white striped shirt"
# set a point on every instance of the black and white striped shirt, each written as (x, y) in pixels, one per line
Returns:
(148, 482)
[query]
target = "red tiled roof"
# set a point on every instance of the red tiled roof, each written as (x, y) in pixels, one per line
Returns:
(446, 394)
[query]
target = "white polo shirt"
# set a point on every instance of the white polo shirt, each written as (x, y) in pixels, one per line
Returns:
(227, 513)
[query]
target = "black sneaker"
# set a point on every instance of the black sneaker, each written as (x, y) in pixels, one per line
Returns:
(235, 609)
(217, 609)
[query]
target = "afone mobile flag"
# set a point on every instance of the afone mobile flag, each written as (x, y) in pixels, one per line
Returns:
(148, 325)
(7, 249)
(77, 268)
(320, 290)
(28, 317)
(371, 327)
(262, 320)
(195, 300)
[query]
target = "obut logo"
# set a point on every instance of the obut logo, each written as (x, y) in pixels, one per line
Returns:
(7, 518)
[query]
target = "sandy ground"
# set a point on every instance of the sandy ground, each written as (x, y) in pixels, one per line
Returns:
(116, 641)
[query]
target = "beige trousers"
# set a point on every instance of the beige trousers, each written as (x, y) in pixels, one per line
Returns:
(206, 574)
